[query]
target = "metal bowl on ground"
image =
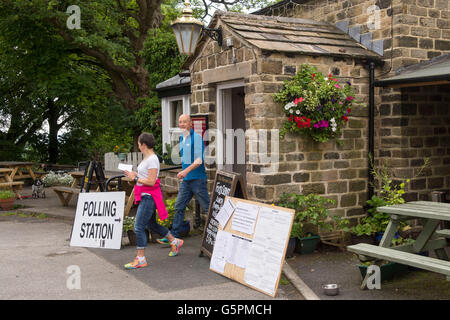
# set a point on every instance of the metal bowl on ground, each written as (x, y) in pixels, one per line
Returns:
(331, 289)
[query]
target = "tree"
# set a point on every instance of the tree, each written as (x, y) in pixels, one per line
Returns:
(41, 82)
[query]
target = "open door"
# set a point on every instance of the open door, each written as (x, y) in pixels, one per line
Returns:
(231, 152)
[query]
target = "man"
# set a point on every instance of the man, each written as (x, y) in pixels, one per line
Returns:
(193, 174)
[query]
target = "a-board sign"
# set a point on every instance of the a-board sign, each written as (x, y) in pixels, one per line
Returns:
(225, 184)
(251, 243)
(98, 220)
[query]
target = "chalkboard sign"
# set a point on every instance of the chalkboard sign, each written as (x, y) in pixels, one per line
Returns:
(225, 184)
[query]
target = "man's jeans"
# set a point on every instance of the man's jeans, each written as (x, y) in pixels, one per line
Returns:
(146, 217)
(189, 188)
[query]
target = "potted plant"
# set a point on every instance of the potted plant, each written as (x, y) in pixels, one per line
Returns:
(387, 269)
(128, 227)
(310, 210)
(120, 152)
(296, 232)
(7, 199)
(391, 193)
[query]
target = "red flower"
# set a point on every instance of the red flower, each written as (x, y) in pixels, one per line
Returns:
(329, 76)
(345, 118)
(348, 110)
(314, 75)
(296, 101)
(308, 123)
(290, 118)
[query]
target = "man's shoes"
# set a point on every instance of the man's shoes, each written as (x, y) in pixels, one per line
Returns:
(136, 264)
(176, 245)
(162, 241)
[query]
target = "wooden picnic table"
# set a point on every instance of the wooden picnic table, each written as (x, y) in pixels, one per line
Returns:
(17, 167)
(6, 182)
(431, 214)
(65, 193)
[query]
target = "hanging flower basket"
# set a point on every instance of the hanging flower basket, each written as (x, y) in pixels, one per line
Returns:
(315, 105)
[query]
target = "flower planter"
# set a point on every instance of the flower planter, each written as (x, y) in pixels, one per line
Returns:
(7, 204)
(306, 245)
(388, 271)
(291, 247)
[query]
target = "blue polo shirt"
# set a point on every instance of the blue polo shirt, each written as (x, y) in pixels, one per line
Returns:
(192, 147)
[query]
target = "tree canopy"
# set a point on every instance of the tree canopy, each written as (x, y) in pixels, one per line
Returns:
(90, 87)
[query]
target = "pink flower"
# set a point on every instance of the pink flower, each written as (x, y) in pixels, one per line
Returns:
(337, 86)
(349, 98)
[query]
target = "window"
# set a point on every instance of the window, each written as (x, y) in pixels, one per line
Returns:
(176, 110)
(172, 108)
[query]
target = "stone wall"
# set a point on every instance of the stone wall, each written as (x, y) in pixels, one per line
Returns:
(410, 123)
(338, 172)
(414, 125)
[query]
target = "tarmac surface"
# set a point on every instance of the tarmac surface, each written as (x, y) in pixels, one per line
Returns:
(186, 276)
(36, 262)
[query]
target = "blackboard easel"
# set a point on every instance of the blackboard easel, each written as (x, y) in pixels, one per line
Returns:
(86, 181)
(225, 184)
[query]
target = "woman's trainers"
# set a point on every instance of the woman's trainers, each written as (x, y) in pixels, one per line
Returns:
(136, 264)
(178, 243)
(163, 241)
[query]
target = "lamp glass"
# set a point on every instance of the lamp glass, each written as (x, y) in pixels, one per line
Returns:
(187, 35)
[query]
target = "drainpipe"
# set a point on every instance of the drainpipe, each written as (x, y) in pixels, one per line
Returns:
(371, 124)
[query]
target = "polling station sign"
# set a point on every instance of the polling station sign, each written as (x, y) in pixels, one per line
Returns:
(98, 220)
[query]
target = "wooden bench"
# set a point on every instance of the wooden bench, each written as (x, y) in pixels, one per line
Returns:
(16, 186)
(65, 194)
(411, 259)
(443, 233)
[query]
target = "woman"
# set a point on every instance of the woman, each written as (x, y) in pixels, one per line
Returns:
(148, 193)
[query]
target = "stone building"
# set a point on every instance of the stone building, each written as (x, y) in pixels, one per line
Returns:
(234, 85)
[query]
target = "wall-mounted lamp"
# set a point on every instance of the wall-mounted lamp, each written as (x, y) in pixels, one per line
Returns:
(187, 31)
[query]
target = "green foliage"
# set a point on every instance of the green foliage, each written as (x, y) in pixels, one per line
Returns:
(309, 209)
(6, 194)
(316, 105)
(390, 194)
(170, 207)
(128, 223)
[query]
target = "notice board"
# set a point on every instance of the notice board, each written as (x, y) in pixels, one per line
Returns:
(225, 184)
(251, 243)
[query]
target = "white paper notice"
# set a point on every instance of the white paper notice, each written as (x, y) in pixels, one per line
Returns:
(238, 250)
(244, 217)
(225, 213)
(267, 248)
(127, 167)
(218, 257)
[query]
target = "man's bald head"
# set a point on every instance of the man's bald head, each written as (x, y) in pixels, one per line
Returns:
(184, 122)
